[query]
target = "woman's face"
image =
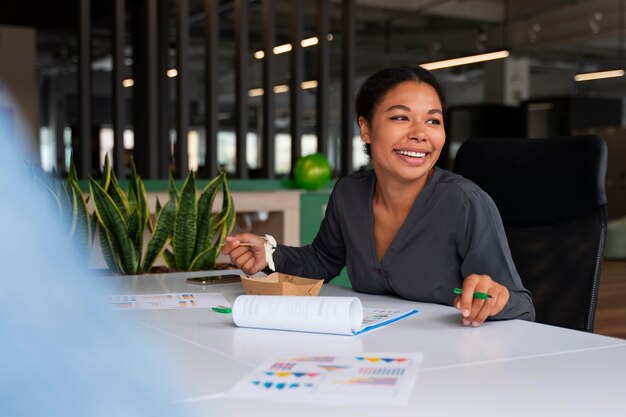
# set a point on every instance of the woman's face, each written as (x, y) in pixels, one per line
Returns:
(406, 134)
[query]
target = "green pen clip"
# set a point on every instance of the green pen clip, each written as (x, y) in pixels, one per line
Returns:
(222, 309)
(479, 295)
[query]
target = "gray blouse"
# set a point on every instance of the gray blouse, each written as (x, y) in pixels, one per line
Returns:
(453, 230)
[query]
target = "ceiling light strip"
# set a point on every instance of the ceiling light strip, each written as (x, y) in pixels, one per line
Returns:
(588, 76)
(287, 47)
(471, 59)
(282, 88)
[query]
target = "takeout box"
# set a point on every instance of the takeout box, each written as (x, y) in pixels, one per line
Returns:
(281, 284)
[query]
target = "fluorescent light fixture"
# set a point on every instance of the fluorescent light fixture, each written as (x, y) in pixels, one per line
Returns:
(309, 84)
(282, 88)
(310, 42)
(281, 49)
(129, 82)
(172, 72)
(471, 59)
(588, 76)
(255, 92)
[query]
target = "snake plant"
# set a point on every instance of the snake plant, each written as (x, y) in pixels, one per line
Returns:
(197, 234)
(184, 222)
(122, 218)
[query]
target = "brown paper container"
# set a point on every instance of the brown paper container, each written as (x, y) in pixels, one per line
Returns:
(281, 284)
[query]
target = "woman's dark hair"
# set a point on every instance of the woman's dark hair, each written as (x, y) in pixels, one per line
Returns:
(378, 85)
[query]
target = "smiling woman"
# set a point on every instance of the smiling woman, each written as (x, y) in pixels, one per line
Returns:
(406, 227)
(405, 136)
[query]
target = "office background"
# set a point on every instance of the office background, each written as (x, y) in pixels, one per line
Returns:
(251, 85)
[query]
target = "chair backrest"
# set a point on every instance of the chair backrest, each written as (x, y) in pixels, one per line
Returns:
(552, 199)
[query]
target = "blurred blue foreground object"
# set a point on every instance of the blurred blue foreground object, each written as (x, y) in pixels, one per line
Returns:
(62, 352)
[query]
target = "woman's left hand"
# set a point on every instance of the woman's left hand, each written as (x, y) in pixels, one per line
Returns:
(475, 310)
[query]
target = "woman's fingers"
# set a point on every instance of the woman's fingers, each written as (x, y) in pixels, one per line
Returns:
(483, 311)
(475, 310)
(246, 251)
(467, 297)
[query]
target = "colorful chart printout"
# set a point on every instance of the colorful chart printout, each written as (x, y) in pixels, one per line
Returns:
(380, 379)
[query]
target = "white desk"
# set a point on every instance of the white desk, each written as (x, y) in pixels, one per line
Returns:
(511, 368)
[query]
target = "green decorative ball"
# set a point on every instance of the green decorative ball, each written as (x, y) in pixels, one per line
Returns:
(312, 171)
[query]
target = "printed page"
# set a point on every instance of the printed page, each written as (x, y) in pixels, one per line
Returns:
(338, 315)
(366, 378)
(166, 301)
(374, 318)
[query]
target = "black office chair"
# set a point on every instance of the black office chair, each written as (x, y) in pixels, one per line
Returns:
(551, 196)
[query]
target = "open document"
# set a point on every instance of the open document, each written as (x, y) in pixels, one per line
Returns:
(336, 315)
(364, 378)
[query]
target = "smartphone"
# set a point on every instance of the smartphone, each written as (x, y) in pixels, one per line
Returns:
(216, 279)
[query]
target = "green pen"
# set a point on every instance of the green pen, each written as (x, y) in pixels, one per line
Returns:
(480, 295)
(222, 309)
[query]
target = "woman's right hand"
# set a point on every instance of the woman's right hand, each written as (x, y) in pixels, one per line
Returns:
(247, 251)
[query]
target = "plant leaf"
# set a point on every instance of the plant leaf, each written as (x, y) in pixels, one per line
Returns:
(231, 215)
(134, 231)
(132, 197)
(157, 211)
(71, 173)
(158, 207)
(83, 229)
(205, 260)
(224, 221)
(92, 222)
(168, 258)
(205, 203)
(171, 188)
(118, 196)
(106, 173)
(73, 209)
(229, 224)
(66, 198)
(162, 234)
(138, 204)
(133, 186)
(112, 220)
(142, 205)
(108, 251)
(184, 238)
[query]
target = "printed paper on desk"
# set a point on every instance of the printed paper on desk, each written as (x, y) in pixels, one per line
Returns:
(335, 315)
(366, 378)
(165, 301)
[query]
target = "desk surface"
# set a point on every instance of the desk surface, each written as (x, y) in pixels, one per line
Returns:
(510, 368)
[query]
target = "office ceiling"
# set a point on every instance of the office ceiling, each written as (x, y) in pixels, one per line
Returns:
(556, 35)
